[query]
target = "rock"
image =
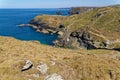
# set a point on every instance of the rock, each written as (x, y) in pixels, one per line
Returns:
(98, 15)
(23, 25)
(27, 66)
(58, 13)
(54, 77)
(38, 30)
(61, 26)
(51, 31)
(77, 10)
(68, 39)
(52, 63)
(60, 33)
(44, 31)
(42, 67)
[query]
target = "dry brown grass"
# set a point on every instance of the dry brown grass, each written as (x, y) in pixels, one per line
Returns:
(70, 64)
(52, 21)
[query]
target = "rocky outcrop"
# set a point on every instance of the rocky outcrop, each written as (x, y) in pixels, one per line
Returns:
(93, 29)
(42, 27)
(78, 10)
(79, 39)
(27, 66)
(42, 67)
(72, 39)
(53, 77)
(47, 24)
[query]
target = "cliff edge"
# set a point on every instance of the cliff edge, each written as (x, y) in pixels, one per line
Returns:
(93, 29)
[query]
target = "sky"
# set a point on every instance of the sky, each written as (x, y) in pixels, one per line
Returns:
(54, 3)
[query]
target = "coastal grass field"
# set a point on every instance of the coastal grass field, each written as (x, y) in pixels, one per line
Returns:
(71, 64)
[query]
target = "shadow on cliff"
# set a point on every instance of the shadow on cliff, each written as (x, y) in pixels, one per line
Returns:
(116, 49)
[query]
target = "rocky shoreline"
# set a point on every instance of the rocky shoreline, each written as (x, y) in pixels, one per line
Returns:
(72, 35)
(65, 37)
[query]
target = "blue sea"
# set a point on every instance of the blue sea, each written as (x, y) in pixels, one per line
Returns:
(10, 18)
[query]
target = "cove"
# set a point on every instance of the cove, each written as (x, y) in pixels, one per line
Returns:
(10, 18)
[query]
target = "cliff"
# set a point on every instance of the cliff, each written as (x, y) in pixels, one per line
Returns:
(97, 28)
(65, 63)
(78, 10)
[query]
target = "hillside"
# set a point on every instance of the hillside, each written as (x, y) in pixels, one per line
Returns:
(78, 10)
(96, 28)
(69, 64)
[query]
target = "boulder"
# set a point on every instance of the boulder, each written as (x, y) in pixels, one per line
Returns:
(27, 66)
(54, 76)
(42, 67)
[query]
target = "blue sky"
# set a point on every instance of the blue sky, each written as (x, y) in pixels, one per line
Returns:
(54, 3)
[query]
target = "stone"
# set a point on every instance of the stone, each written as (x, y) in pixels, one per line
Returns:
(42, 67)
(44, 31)
(23, 25)
(27, 66)
(54, 76)
(60, 33)
(52, 63)
(38, 30)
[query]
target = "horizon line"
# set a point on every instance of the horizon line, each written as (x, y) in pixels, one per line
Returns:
(52, 7)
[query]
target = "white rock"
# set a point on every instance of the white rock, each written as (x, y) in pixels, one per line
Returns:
(28, 64)
(68, 39)
(42, 67)
(54, 77)
(52, 63)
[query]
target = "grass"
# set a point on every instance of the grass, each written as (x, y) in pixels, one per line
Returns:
(53, 21)
(106, 23)
(70, 64)
(103, 28)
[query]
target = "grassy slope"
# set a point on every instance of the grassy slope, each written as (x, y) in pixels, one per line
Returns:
(52, 21)
(107, 24)
(70, 64)
(105, 27)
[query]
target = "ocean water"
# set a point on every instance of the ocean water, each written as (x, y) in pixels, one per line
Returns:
(10, 18)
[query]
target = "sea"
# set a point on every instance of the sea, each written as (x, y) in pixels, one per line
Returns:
(10, 18)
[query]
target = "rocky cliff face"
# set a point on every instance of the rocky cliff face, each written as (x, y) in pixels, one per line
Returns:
(78, 10)
(97, 28)
(47, 24)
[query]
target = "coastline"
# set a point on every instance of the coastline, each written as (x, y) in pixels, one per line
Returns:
(86, 37)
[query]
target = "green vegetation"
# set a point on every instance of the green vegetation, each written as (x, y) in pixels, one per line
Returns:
(52, 21)
(103, 24)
